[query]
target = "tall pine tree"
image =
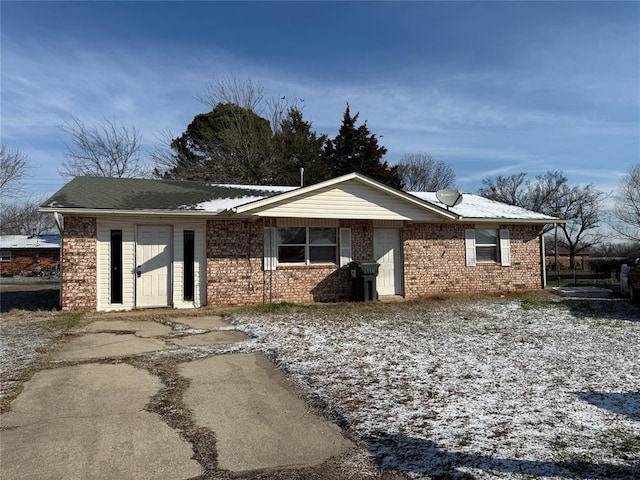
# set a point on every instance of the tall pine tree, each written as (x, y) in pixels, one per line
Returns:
(355, 149)
(298, 146)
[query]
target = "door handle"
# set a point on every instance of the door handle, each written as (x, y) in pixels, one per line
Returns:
(139, 271)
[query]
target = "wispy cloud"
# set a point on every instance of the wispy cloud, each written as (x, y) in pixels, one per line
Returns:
(567, 98)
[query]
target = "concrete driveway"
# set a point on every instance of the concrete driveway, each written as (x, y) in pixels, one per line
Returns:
(98, 410)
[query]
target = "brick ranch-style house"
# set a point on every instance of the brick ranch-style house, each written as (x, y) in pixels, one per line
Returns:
(140, 243)
(29, 255)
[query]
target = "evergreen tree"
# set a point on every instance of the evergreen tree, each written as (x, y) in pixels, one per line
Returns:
(230, 144)
(299, 147)
(355, 149)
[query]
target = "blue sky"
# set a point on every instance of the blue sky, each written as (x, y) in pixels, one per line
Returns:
(488, 87)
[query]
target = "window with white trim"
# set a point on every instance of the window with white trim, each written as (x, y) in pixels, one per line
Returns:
(307, 245)
(487, 245)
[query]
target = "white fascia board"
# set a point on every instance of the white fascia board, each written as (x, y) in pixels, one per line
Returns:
(513, 221)
(97, 212)
(252, 206)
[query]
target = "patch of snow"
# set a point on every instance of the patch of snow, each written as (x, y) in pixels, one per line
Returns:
(29, 241)
(180, 328)
(253, 194)
(478, 390)
(221, 204)
(21, 344)
(475, 206)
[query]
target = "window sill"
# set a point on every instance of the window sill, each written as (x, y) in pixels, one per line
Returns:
(314, 266)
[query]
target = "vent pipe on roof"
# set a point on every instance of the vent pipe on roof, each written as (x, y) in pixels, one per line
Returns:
(301, 176)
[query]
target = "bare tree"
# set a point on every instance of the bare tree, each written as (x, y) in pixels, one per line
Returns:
(550, 194)
(250, 96)
(540, 195)
(24, 219)
(105, 150)
(421, 173)
(508, 190)
(13, 167)
(626, 215)
(162, 156)
(581, 208)
(238, 92)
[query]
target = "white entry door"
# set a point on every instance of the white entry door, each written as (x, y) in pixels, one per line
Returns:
(386, 250)
(153, 266)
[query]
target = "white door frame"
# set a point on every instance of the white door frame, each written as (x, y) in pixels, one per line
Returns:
(154, 268)
(391, 267)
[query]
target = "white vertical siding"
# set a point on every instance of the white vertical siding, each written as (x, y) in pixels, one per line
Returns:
(104, 265)
(200, 267)
(104, 227)
(178, 266)
(199, 270)
(128, 266)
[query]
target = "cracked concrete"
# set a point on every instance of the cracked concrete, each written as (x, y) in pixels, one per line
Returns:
(258, 419)
(140, 328)
(100, 345)
(211, 338)
(88, 421)
(205, 323)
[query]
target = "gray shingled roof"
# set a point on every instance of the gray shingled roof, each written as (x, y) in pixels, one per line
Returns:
(146, 194)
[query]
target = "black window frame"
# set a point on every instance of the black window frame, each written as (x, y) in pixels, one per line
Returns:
(188, 280)
(115, 268)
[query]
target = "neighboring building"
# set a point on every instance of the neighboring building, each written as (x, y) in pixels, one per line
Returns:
(134, 243)
(29, 255)
(564, 259)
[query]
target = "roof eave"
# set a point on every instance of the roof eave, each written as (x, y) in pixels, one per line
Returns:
(513, 221)
(142, 212)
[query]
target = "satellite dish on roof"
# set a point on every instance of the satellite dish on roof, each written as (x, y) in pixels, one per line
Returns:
(450, 198)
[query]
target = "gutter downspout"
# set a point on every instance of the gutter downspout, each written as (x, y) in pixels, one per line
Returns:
(56, 218)
(543, 253)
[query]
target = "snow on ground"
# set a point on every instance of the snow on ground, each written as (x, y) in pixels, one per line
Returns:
(23, 338)
(473, 389)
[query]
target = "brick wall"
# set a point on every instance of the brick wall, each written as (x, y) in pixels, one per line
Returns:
(235, 275)
(361, 238)
(435, 262)
(434, 257)
(79, 286)
(31, 261)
